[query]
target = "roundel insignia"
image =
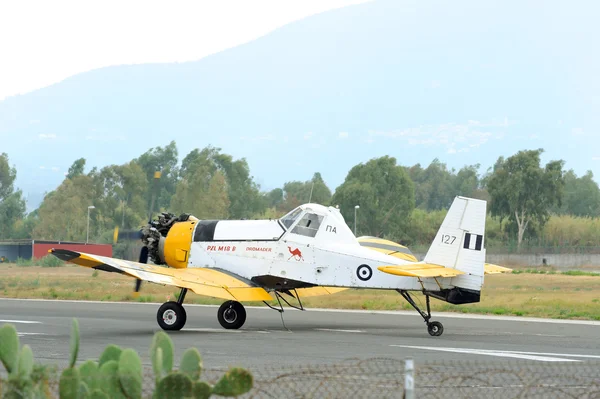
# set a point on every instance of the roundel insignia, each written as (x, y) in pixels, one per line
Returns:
(364, 272)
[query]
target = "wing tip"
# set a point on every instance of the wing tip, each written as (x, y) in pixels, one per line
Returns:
(64, 254)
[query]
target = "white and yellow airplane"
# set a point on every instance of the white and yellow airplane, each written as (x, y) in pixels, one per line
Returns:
(308, 252)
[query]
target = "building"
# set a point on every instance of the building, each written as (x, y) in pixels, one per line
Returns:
(11, 250)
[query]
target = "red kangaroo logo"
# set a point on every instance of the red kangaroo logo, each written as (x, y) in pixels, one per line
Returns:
(295, 253)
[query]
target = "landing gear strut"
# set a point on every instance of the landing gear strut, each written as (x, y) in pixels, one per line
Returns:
(434, 328)
(171, 315)
(231, 315)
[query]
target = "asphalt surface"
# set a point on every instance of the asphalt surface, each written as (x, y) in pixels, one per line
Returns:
(315, 338)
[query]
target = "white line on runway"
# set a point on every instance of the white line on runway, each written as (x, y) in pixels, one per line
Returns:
(336, 330)
(217, 330)
(489, 352)
(558, 354)
(20, 334)
(21, 321)
(222, 330)
(375, 312)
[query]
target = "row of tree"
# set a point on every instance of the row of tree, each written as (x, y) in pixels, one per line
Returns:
(402, 203)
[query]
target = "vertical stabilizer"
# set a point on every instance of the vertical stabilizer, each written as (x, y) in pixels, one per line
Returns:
(459, 243)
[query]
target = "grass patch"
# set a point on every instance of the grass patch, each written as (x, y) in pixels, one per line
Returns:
(551, 271)
(556, 295)
(45, 261)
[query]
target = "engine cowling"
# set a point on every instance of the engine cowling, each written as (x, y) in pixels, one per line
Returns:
(169, 239)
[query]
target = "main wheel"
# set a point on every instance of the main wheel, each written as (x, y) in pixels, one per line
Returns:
(171, 316)
(231, 315)
(435, 328)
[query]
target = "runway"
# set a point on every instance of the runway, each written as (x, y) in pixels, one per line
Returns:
(314, 337)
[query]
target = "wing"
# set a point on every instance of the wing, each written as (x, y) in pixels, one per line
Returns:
(203, 281)
(316, 291)
(421, 270)
(387, 247)
(490, 268)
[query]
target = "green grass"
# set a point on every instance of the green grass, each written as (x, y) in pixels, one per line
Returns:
(528, 292)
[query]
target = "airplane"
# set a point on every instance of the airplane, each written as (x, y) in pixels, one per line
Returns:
(309, 251)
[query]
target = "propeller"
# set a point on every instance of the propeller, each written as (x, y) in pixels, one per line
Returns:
(138, 235)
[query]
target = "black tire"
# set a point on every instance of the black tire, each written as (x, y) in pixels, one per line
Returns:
(435, 328)
(231, 315)
(171, 316)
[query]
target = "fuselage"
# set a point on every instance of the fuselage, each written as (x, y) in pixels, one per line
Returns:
(314, 247)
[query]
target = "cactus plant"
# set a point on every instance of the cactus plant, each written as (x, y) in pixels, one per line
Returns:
(235, 382)
(117, 374)
(25, 378)
(130, 374)
(164, 365)
(174, 385)
(9, 350)
(74, 342)
(111, 352)
(191, 363)
(89, 375)
(69, 383)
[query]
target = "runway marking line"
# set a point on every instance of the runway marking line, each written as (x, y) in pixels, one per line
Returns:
(373, 312)
(542, 357)
(21, 321)
(223, 330)
(338, 330)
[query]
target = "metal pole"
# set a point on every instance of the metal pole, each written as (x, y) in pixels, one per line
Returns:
(409, 381)
(87, 237)
(355, 221)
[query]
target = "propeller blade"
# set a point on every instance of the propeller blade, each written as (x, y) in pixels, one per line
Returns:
(126, 235)
(138, 283)
(157, 175)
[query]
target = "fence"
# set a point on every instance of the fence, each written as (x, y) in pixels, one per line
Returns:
(393, 378)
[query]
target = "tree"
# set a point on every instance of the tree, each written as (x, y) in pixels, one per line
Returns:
(434, 186)
(163, 159)
(385, 194)
(120, 196)
(12, 204)
(296, 193)
(524, 192)
(63, 213)
(7, 176)
(202, 192)
(244, 194)
(582, 195)
(76, 169)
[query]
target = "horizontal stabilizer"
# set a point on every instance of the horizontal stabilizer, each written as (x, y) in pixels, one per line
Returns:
(202, 281)
(421, 270)
(495, 269)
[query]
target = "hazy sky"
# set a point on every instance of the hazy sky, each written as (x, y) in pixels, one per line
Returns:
(43, 42)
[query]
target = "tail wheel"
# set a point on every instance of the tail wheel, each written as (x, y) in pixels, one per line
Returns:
(171, 316)
(231, 315)
(435, 328)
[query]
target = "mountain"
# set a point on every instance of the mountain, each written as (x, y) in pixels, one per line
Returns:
(464, 82)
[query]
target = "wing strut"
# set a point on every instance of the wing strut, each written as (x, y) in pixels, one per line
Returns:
(280, 309)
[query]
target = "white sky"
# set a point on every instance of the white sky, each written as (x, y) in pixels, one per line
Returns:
(44, 42)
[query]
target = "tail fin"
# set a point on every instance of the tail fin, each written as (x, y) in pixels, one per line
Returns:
(459, 243)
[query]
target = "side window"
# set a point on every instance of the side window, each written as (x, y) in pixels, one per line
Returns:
(289, 219)
(309, 225)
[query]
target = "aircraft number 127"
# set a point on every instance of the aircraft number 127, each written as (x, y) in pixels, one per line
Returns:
(448, 239)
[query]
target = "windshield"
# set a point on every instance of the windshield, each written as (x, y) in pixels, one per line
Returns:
(289, 219)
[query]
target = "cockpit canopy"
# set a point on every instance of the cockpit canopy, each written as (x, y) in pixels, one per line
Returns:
(306, 219)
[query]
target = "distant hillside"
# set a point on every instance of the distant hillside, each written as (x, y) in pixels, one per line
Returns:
(464, 82)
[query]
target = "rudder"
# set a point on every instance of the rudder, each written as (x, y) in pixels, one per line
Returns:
(459, 242)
